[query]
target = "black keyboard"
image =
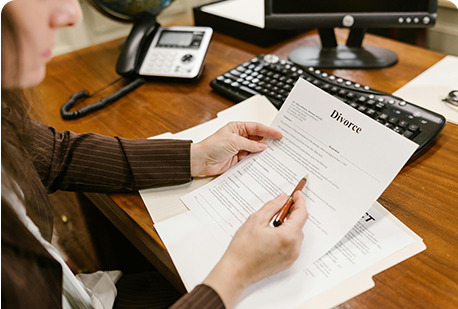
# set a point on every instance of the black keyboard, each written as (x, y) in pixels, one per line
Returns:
(274, 77)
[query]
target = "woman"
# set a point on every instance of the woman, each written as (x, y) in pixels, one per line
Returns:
(37, 160)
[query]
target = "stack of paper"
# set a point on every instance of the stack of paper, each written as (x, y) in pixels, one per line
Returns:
(432, 86)
(336, 164)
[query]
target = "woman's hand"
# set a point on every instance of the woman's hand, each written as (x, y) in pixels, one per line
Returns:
(259, 250)
(230, 144)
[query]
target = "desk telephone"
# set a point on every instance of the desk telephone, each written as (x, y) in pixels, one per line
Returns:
(151, 51)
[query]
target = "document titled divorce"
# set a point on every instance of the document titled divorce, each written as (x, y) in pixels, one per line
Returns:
(349, 158)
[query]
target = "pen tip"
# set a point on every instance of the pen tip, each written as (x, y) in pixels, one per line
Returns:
(306, 177)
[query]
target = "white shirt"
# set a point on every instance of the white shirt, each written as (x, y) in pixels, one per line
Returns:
(91, 291)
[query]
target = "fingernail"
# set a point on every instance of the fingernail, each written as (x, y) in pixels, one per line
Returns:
(282, 195)
(263, 146)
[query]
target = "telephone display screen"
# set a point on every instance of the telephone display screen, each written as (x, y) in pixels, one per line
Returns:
(175, 38)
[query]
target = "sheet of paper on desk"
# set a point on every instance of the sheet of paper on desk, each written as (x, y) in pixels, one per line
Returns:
(349, 157)
(430, 87)
(377, 242)
(249, 12)
(256, 109)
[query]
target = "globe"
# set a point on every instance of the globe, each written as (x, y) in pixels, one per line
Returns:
(129, 10)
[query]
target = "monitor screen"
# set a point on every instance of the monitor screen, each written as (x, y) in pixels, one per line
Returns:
(357, 15)
(297, 14)
(355, 6)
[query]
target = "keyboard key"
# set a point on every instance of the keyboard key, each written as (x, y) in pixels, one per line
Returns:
(228, 75)
(393, 120)
(235, 85)
(403, 123)
(383, 117)
(389, 125)
(235, 72)
(290, 81)
(246, 89)
(397, 129)
(370, 112)
(408, 134)
(413, 128)
(370, 103)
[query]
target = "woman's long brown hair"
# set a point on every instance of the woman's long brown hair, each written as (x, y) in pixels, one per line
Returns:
(20, 177)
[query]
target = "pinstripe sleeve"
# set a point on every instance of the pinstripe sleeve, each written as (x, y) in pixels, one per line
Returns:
(95, 163)
(202, 297)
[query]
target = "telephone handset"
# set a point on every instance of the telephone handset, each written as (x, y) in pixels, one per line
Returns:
(151, 51)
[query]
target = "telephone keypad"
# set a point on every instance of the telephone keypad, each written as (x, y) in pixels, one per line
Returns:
(161, 61)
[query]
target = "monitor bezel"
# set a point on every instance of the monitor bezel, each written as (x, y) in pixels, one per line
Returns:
(360, 20)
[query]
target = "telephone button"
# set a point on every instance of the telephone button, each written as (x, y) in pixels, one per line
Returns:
(187, 58)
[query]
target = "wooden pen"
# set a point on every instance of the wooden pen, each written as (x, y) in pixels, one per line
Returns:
(279, 218)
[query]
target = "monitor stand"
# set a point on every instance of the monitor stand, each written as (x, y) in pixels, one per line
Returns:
(350, 56)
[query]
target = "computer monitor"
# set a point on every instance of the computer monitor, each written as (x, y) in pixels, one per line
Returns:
(358, 15)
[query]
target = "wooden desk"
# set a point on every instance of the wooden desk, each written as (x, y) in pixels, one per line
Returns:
(424, 195)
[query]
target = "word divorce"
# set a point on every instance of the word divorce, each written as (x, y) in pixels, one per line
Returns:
(338, 116)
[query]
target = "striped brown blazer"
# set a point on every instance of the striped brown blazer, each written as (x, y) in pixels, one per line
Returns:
(89, 163)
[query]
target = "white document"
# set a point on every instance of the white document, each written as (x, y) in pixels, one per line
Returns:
(350, 160)
(377, 242)
(249, 12)
(164, 202)
(430, 87)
